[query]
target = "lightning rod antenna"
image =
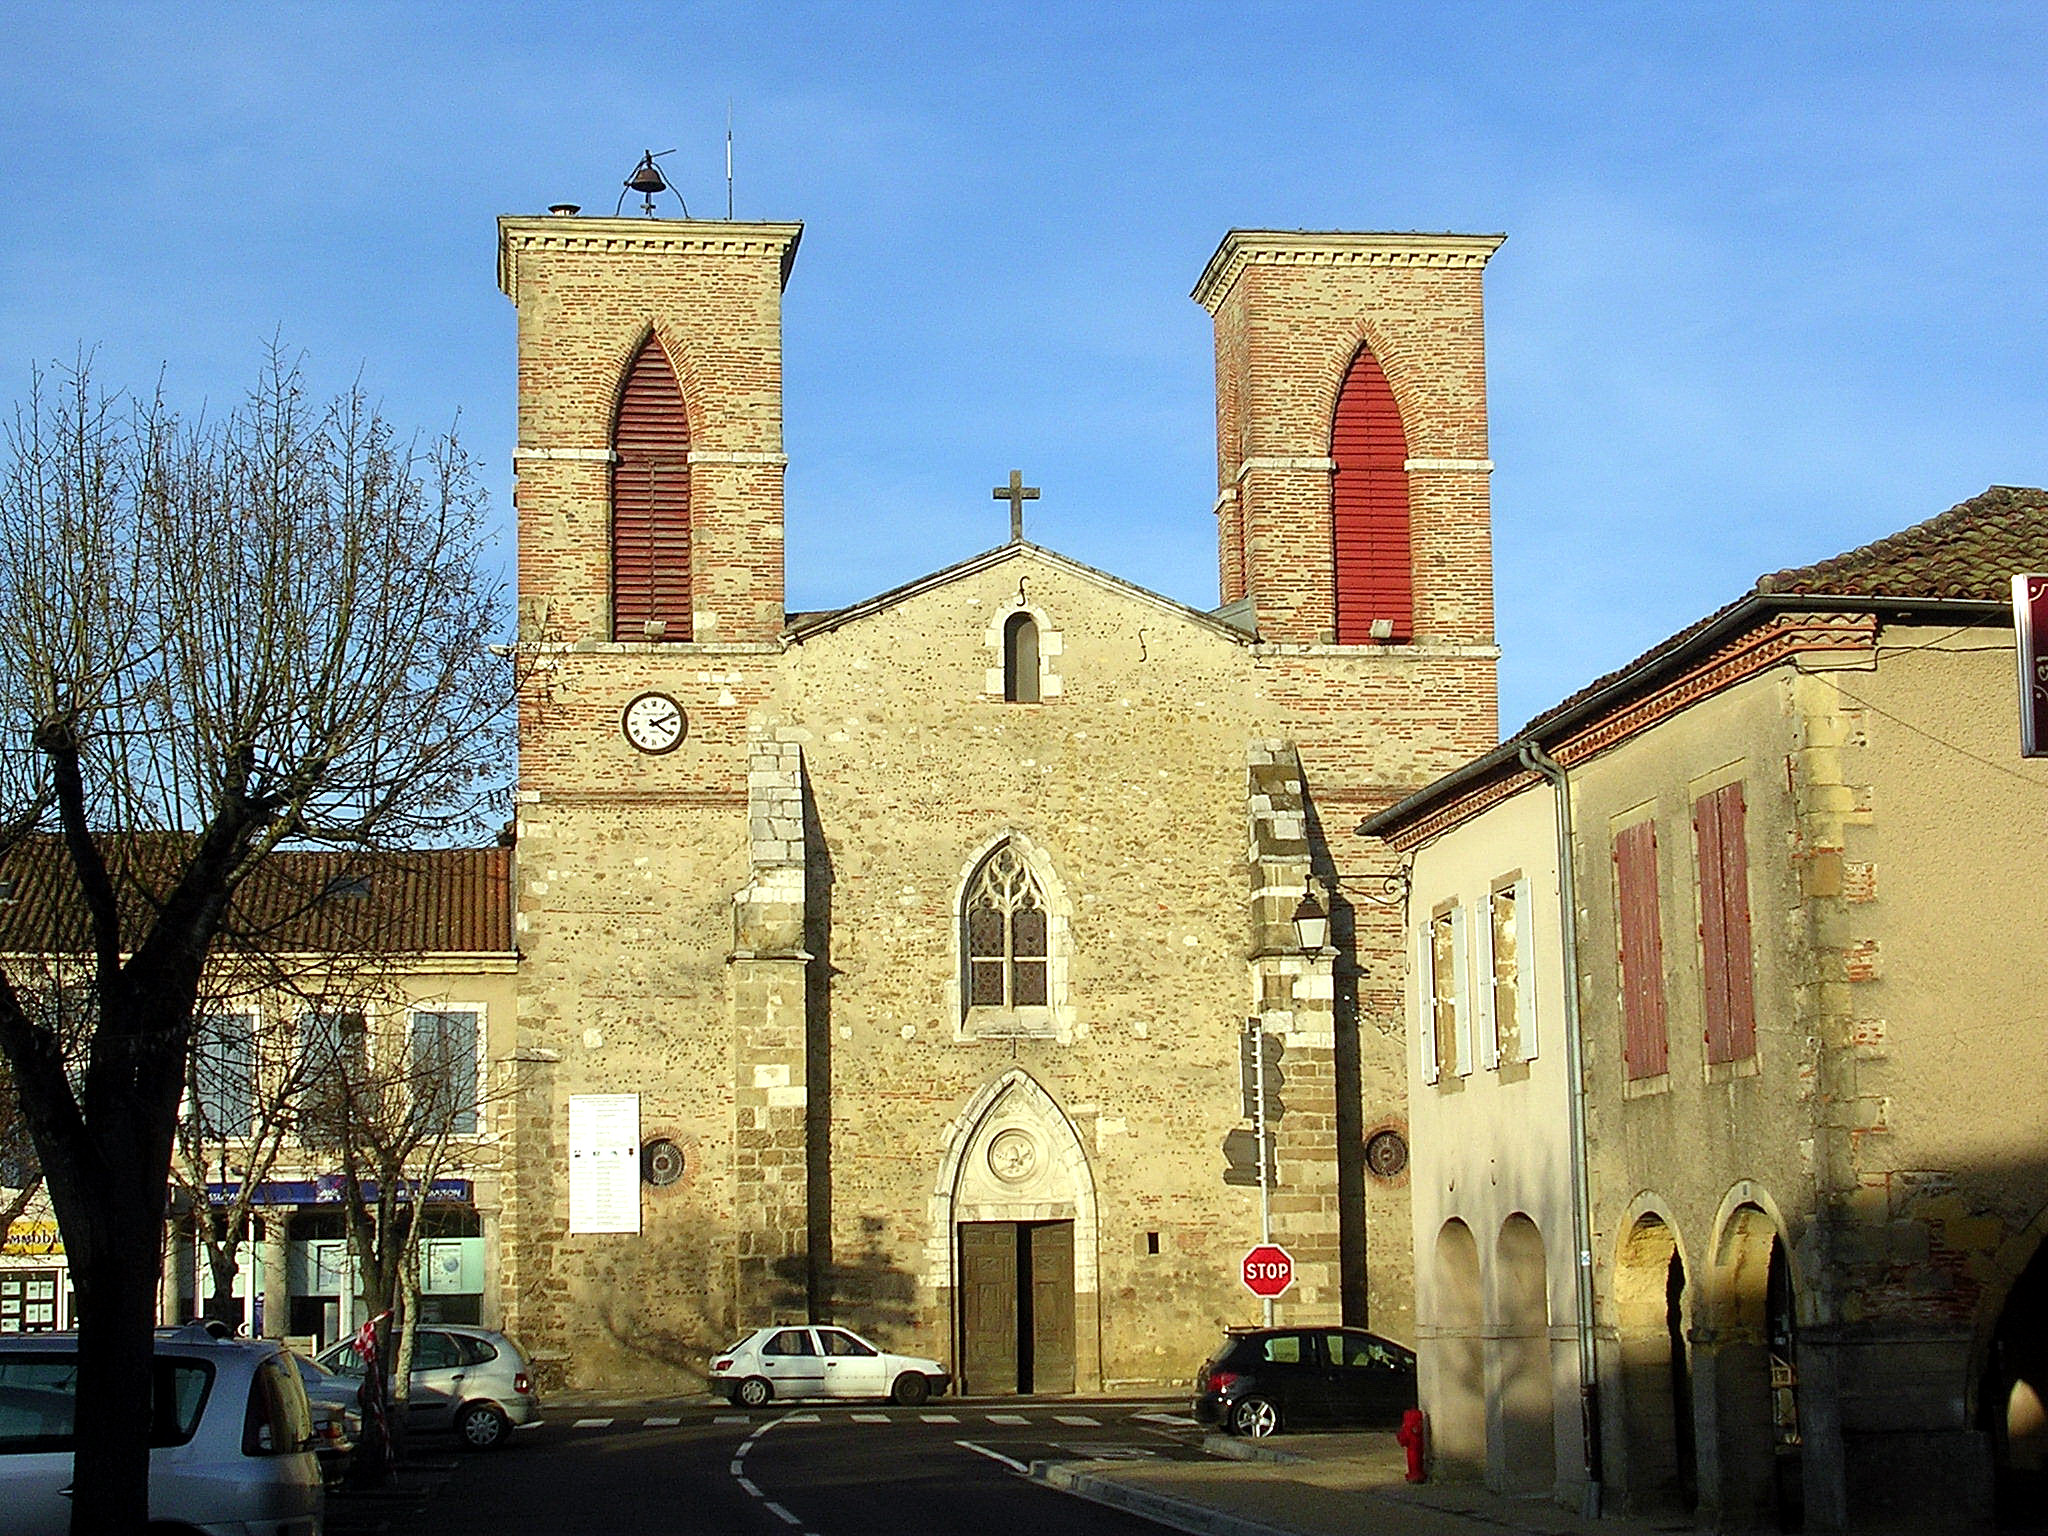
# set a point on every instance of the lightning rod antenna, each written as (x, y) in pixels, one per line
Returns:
(728, 159)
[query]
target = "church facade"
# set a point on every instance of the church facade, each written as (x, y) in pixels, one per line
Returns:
(899, 965)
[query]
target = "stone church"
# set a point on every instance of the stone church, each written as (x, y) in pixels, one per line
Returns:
(900, 964)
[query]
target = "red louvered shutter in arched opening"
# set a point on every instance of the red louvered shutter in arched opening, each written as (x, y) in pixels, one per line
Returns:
(651, 503)
(1369, 505)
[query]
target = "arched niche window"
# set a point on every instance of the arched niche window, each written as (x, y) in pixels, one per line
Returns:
(1020, 659)
(1369, 509)
(1006, 941)
(651, 503)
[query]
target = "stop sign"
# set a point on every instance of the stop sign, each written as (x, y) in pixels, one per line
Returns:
(1268, 1270)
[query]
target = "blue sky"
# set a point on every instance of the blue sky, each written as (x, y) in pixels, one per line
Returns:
(1773, 285)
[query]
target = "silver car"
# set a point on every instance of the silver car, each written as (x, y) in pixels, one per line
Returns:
(231, 1437)
(470, 1380)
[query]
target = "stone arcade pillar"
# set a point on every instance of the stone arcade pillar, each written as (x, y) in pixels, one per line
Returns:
(1294, 1000)
(765, 984)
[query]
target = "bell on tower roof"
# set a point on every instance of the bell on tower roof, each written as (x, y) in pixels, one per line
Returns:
(647, 180)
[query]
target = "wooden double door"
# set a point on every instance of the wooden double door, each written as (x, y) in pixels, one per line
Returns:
(1017, 1306)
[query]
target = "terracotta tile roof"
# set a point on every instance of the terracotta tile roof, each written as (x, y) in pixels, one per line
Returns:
(418, 901)
(1968, 553)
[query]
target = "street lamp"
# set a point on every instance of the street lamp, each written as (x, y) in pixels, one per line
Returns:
(1311, 923)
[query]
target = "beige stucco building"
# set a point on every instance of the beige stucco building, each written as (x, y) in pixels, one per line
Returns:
(913, 946)
(1805, 850)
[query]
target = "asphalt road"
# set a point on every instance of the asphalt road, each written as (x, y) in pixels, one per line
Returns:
(792, 1470)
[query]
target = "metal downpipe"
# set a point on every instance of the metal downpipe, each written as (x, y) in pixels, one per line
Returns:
(1534, 758)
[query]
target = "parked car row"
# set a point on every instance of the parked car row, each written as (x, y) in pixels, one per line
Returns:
(243, 1433)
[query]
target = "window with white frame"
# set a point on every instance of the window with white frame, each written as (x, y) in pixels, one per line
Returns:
(332, 1062)
(1512, 1035)
(1446, 967)
(222, 1074)
(444, 1051)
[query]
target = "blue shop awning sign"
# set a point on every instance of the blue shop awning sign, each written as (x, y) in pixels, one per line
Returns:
(331, 1189)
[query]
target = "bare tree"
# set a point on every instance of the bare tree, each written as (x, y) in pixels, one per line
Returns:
(225, 637)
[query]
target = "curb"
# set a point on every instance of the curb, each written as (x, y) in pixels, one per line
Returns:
(1237, 1448)
(1160, 1508)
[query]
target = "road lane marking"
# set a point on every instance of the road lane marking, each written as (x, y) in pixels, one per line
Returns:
(748, 1484)
(529, 1424)
(1177, 1420)
(663, 1423)
(982, 1450)
(736, 1467)
(591, 1424)
(780, 1513)
(732, 1418)
(798, 1418)
(1078, 1418)
(940, 1418)
(1006, 1418)
(870, 1418)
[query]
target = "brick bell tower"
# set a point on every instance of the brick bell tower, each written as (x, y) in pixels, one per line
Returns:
(661, 946)
(649, 454)
(1354, 537)
(1351, 458)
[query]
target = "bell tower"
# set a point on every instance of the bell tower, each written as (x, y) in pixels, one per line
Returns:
(1351, 458)
(649, 455)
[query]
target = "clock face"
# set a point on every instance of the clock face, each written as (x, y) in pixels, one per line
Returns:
(654, 722)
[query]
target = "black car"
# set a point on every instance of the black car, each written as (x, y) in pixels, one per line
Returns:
(1261, 1380)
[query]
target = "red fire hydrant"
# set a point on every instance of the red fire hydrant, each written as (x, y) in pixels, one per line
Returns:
(1410, 1437)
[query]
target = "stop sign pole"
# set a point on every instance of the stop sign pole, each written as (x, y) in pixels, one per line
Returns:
(1256, 1028)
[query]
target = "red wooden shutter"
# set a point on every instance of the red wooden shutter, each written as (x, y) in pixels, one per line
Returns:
(1645, 1052)
(1706, 841)
(651, 502)
(1369, 507)
(1739, 983)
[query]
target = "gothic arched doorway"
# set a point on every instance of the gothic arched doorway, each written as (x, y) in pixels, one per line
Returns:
(1015, 1208)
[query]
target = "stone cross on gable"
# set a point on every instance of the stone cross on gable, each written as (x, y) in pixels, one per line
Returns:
(1016, 493)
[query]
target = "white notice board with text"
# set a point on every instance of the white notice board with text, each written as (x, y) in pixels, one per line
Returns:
(604, 1162)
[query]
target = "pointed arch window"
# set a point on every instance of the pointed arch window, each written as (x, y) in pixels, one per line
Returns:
(1020, 659)
(651, 503)
(1375, 584)
(1006, 936)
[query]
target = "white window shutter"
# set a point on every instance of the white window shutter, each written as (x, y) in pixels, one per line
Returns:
(1423, 990)
(1525, 968)
(1461, 990)
(1482, 989)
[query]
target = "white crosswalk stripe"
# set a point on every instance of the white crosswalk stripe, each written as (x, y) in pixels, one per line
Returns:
(1078, 1418)
(940, 1418)
(663, 1423)
(871, 1418)
(1006, 1418)
(591, 1424)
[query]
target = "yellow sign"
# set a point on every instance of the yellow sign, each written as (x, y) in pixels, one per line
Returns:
(32, 1240)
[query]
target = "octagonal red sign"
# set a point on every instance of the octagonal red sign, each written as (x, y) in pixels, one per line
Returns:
(1268, 1270)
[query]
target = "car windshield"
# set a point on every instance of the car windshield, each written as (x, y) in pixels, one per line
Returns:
(38, 1394)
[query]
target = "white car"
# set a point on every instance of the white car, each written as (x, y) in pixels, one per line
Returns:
(230, 1441)
(795, 1361)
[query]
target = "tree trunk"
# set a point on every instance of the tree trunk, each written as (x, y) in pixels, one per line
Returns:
(115, 1272)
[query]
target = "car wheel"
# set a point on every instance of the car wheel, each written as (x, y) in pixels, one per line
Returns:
(482, 1426)
(752, 1393)
(911, 1388)
(1255, 1416)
